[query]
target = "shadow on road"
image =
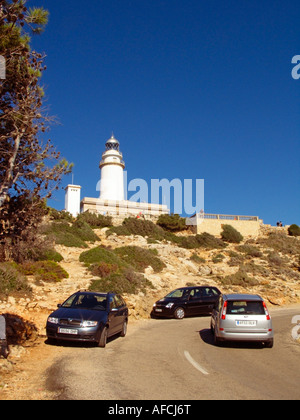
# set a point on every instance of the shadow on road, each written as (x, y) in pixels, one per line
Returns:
(207, 337)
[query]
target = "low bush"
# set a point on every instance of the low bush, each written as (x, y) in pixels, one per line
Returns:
(172, 222)
(133, 226)
(140, 258)
(11, 280)
(103, 269)
(282, 243)
(218, 258)
(249, 250)
(199, 260)
(71, 235)
(48, 271)
(294, 230)
(101, 255)
(126, 281)
(230, 234)
(240, 278)
(60, 215)
(95, 220)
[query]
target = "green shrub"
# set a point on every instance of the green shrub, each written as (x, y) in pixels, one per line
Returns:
(11, 280)
(282, 243)
(60, 215)
(249, 250)
(126, 281)
(48, 271)
(103, 269)
(101, 255)
(74, 235)
(204, 240)
(95, 220)
(294, 230)
(133, 226)
(195, 258)
(230, 234)
(172, 222)
(218, 258)
(140, 258)
(240, 278)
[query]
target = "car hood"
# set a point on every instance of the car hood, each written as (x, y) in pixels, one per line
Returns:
(167, 300)
(84, 314)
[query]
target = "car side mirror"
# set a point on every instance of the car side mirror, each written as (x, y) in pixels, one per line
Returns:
(59, 305)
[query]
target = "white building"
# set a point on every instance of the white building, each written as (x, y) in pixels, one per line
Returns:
(72, 199)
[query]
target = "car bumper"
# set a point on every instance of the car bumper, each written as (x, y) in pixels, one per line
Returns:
(163, 312)
(261, 336)
(58, 332)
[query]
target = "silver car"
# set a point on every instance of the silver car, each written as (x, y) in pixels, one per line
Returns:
(242, 317)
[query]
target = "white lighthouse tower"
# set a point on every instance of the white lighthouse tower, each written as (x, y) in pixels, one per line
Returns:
(112, 172)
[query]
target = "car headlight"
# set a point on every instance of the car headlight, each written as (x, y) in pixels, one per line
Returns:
(89, 323)
(53, 320)
(170, 305)
(154, 305)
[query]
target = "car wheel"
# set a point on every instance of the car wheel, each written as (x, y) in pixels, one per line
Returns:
(269, 344)
(124, 329)
(103, 337)
(217, 341)
(179, 313)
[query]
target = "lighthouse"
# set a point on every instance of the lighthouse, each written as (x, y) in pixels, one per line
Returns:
(112, 172)
(111, 201)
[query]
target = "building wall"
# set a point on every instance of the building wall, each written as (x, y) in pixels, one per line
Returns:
(122, 208)
(213, 224)
(112, 182)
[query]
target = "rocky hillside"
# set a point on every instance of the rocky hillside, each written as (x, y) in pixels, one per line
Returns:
(268, 265)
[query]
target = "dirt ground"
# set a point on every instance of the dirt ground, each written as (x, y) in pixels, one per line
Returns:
(26, 375)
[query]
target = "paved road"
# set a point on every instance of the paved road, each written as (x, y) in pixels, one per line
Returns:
(176, 360)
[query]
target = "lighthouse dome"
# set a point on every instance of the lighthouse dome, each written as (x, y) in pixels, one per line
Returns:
(112, 144)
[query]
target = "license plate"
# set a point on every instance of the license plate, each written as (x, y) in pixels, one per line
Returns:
(245, 323)
(67, 331)
(158, 310)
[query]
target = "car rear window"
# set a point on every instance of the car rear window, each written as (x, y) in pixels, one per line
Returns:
(245, 307)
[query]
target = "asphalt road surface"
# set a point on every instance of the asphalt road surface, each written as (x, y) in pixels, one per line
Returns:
(176, 360)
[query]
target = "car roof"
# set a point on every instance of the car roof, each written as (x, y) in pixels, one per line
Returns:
(87, 292)
(195, 287)
(241, 296)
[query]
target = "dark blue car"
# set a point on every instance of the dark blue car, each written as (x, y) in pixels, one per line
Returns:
(89, 317)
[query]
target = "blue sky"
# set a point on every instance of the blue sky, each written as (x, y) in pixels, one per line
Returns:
(192, 89)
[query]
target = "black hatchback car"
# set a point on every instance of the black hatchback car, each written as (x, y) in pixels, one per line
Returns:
(196, 300)
(89, 316)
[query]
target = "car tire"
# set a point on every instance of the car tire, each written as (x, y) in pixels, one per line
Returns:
(217, 341)
(124, 329)
(103, 337)
(179, 313)
(269, 344)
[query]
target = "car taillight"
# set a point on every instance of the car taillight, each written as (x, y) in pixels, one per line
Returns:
(266, 311)
(224, 310)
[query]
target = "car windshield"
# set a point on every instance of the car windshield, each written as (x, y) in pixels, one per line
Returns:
(179, 293)
(245, 307)
(86, 301)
